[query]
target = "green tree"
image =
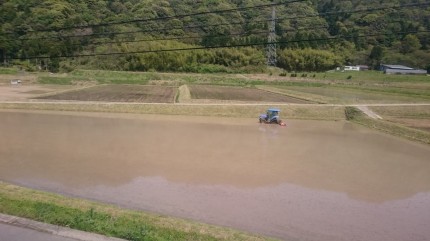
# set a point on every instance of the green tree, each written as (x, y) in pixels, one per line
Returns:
(376, 56)
(410, 44)
(308, 60)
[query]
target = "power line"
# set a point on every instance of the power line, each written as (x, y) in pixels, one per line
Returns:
(218, 47)
(200, 37)
(363, 10)
(164, 18)
(176, 38)
(233, 23)
(271, 46)
(315, 27)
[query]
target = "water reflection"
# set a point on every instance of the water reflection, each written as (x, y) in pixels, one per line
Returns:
(287, 211)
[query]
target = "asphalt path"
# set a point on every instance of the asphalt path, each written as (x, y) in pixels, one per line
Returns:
(21, 229)
(13, 233)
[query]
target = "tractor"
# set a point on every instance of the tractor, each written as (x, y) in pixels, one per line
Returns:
(271, 117)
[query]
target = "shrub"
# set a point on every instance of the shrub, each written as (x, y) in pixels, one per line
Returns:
(351, 113)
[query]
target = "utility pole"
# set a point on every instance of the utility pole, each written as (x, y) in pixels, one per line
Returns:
(271, 43)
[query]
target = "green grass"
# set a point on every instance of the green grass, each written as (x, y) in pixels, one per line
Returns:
(106, 219)
(115, 77)
(55, 80)
(97, 76)
(370, 76)
(8, 71)
(122, 77)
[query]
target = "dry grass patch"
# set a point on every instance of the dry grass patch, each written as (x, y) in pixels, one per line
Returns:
(184, 94)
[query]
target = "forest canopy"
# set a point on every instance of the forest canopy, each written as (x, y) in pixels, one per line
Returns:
(139, 35)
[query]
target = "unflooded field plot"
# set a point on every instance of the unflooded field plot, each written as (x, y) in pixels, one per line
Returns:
(24, 92)
(357, 95)
(417, 117)
(420, 124)
(120, 93)
(239, 94)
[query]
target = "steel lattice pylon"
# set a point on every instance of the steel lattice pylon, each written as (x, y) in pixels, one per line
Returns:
(271, 43)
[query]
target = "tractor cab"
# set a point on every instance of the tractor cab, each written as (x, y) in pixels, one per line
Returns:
(271, 116)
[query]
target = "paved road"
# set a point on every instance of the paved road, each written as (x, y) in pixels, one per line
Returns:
(13, 233)
(22, 229)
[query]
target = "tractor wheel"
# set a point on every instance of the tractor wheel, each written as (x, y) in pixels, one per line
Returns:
(261, 121)
(276, 121)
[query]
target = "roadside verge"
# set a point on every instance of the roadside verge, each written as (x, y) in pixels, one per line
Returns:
(54, 229)
(106, 219)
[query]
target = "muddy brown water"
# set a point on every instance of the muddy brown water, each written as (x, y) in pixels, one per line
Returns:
(310, 180)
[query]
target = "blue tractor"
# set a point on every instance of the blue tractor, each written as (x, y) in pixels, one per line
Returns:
(271, 117)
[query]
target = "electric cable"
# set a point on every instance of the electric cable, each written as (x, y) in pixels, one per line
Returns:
(165, 18)
(233, 23)
(217, 47)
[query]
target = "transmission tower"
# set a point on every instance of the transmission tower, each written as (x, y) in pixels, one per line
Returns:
(271, 43)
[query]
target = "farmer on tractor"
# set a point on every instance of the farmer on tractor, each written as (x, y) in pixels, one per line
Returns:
(271, 116)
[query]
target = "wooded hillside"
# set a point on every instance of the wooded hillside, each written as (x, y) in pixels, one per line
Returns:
(135, 34)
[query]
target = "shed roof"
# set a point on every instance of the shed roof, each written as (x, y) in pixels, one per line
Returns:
(406, 71)
(394, 66)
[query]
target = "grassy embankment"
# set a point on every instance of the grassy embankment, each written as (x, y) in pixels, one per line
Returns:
(288, 112)
(107, 219)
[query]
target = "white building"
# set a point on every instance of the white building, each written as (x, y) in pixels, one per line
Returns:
(351, 68)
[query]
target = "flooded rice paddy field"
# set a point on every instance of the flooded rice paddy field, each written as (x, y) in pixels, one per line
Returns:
(310, 180)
